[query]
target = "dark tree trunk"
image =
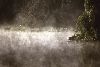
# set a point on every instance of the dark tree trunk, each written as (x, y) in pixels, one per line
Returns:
(97, 17)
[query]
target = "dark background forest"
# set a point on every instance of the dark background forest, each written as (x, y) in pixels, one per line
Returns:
(40, 13)
(45, 13)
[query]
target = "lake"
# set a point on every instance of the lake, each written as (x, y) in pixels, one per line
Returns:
(46, 49)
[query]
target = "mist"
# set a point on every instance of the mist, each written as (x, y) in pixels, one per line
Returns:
(35, 33)
(40, 13)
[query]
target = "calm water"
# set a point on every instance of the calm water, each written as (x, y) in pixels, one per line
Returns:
(46, 49)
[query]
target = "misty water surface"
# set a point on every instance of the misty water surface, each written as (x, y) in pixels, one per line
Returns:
(46, 49)
(22, 47)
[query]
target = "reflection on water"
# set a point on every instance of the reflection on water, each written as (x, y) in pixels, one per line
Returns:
(46, 49)
(91, 54)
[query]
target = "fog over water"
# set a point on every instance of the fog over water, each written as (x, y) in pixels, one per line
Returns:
(46, 49)
(38, 49)
(35, 33)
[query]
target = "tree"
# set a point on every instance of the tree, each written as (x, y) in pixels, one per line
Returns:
(85, 23)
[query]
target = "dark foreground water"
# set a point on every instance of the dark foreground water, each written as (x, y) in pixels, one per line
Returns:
(46, 49)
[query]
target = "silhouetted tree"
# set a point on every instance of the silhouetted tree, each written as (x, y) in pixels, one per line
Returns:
(86, 21)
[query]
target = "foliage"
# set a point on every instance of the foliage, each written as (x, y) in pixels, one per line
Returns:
(85, 22)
